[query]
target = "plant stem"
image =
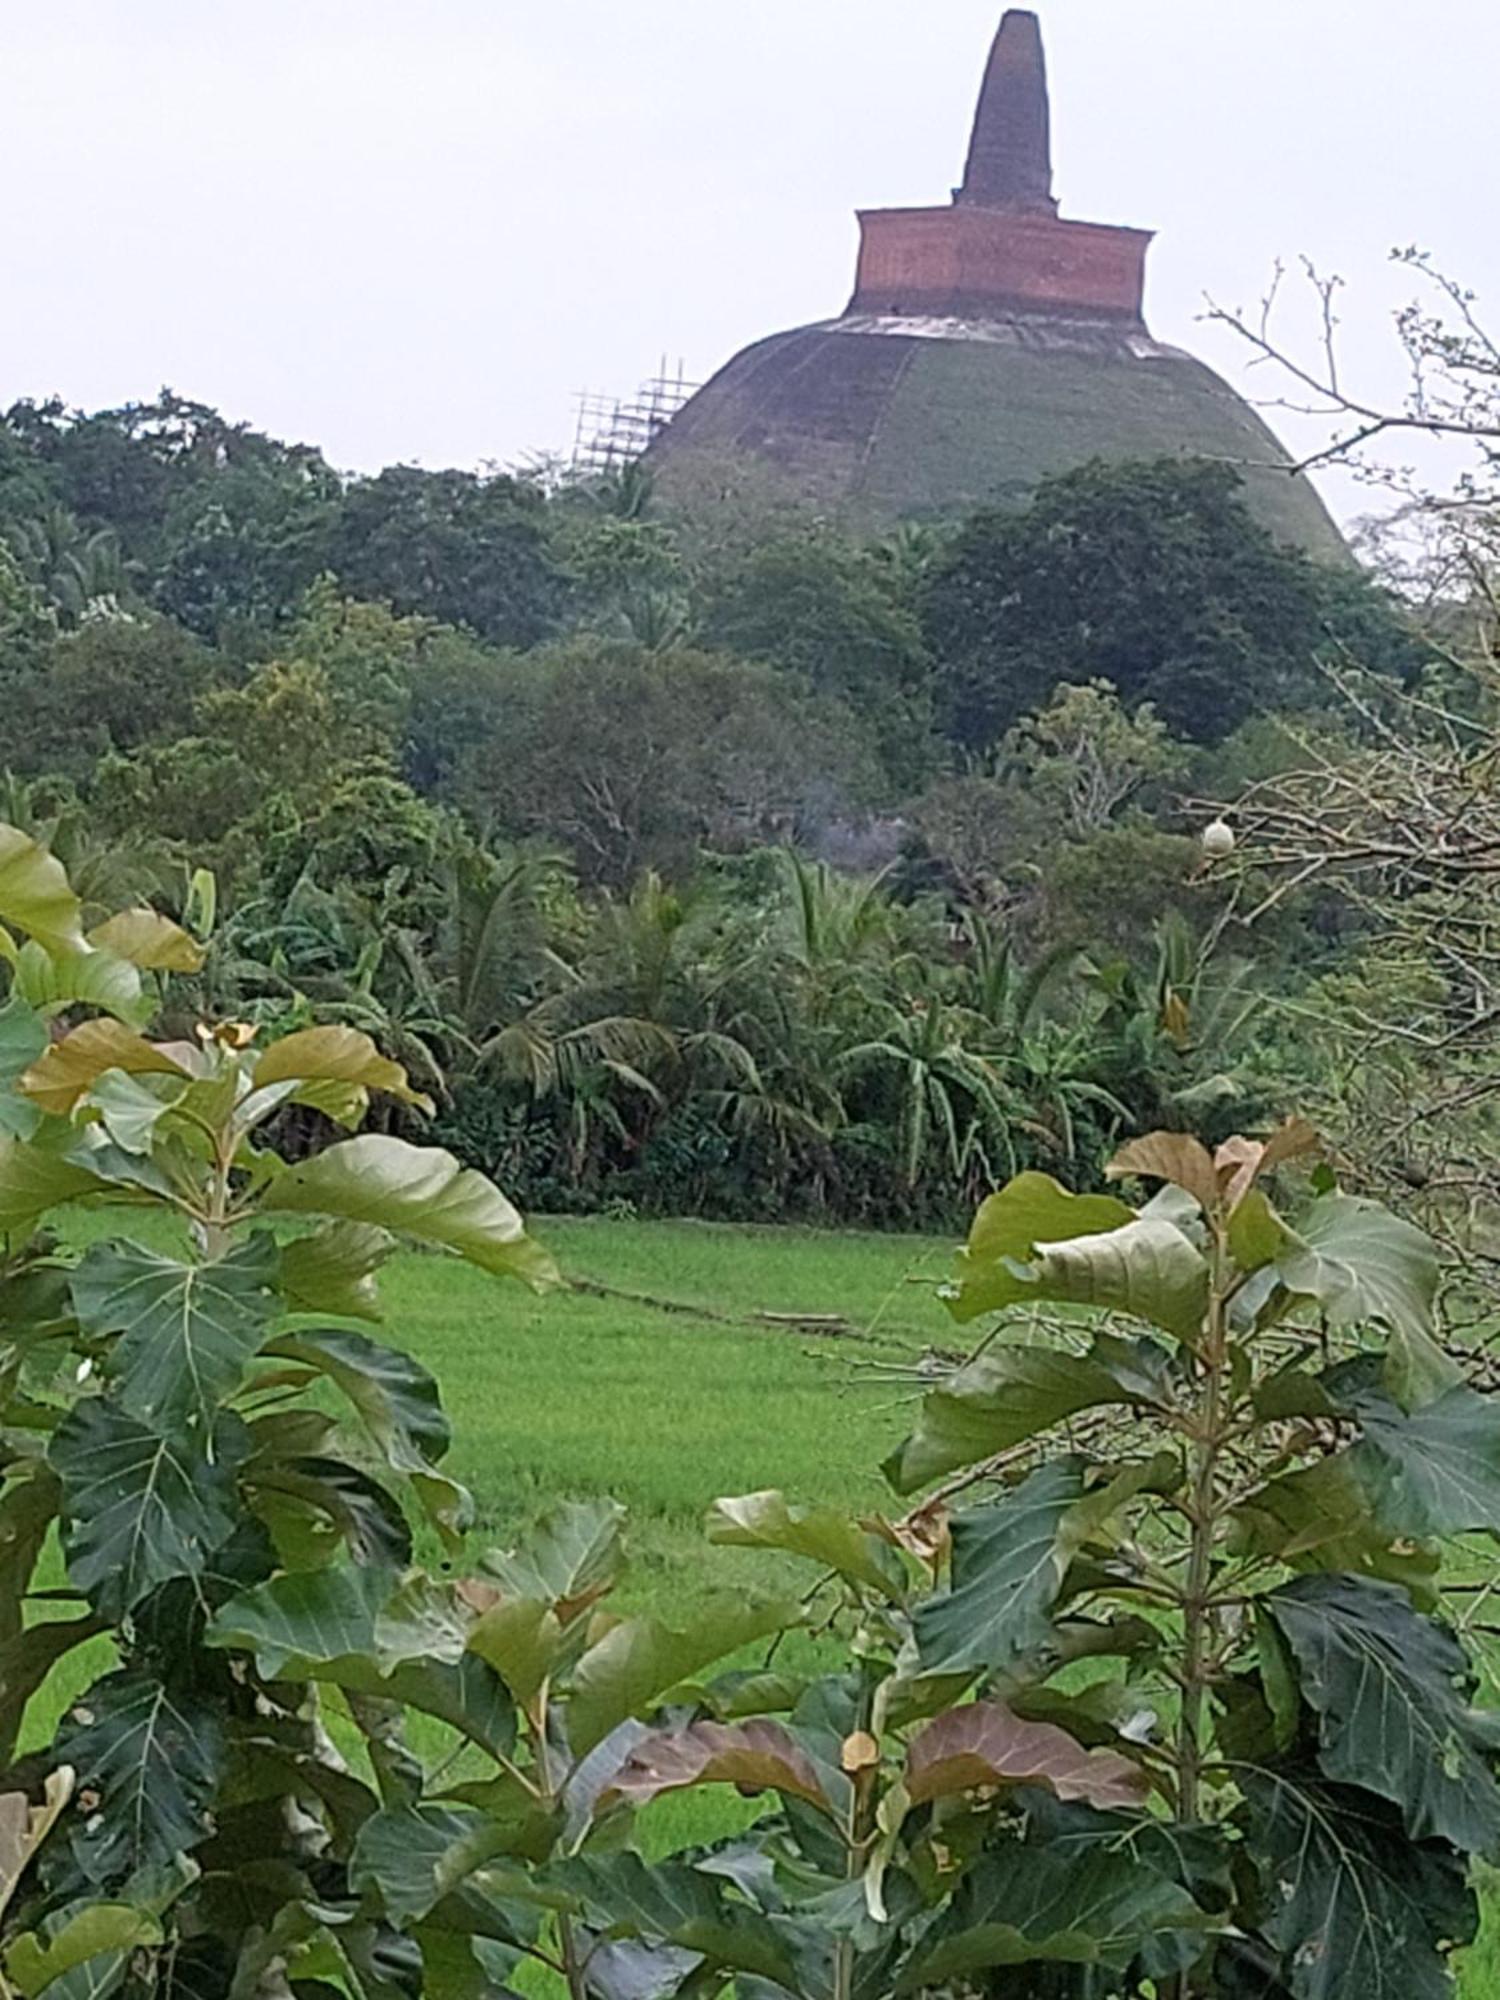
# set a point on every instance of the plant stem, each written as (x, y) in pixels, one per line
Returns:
(1203, 1508)
(548, 1788)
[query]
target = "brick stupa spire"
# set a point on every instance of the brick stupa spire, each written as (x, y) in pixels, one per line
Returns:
(1002, 248)
(1010, 151)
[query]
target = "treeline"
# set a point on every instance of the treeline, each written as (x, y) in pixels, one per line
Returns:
(581, 808)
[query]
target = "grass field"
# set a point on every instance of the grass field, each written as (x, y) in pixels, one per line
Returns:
(585, 1394)
(579, 1393)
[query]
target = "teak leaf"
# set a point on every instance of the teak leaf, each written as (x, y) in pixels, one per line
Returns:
(1319, 1518)
(985, 1743)
(1353, 1905)
(1030, 1209)
(756, 1756)
(1095, 1905)
(1034, 1242)
(35, 895)
(417, 1191)
(396, 1398)
(1362, 1266)
(140, 1508)
(146, 938)
(682, 1908)
(333, 1270)
(186, 1331)
(640, 1660)
(1008, 1566)
(1434, 1470)
(414, 1856)
(334, 1054)
(1170, 1156)
(1383, 1682)
(1006, 1395)
(33, 1180)
(34, 1964)
(822, 1534)
(568, 1560)
(72, 1066)
(149, 1754)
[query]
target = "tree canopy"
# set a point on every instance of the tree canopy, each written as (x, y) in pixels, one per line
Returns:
(1152, 577)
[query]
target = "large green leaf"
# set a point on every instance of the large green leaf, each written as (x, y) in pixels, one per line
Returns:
(984, 1743)
(311, 1504)
(23, 1037)
(35, 1961)
(822, 1534)
(1175, 1157)
(150, 1756)
(333, 1270)
(338, 1055)
(140, 1508)
(27, 1656)
(570, 1557)
(1319, 1518)
(414, 1856)
(1384, 1683)
(129, 1109)
(1008, 1565)
(1095, 1905)
(418, 1191)
(33, 1180)
(1031, 1209)
(304, 1616)
(352, 1627)
(397, 1400)
(756, 1756)
(148, 939)
(1353, 1905)
(670, 1902)
(87, 978)
(74, 1065)
(1364, 1266)
(1149, 1269)
(1008, 1394)
(1019, 1253)
(186, 1331)
(521, 1638)
(35, 895)
(642, 1659)
(1434, 1470)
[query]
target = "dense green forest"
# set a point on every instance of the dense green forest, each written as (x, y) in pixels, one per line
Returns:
(723, 863)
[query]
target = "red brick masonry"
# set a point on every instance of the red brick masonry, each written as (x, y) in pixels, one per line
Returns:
(966, 260)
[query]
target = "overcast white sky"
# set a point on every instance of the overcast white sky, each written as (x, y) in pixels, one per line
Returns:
(411, 231)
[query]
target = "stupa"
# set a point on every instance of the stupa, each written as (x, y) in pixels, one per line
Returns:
(988, 344)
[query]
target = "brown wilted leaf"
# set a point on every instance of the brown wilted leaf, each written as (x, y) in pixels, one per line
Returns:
(1240, 1162)
(923, 1533)
(859, 1752)
(1170, 1156)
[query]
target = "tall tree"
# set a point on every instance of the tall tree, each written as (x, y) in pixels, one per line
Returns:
(1151, 576)
(455, 546)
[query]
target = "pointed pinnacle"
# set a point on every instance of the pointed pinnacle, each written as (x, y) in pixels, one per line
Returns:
(1010, 153)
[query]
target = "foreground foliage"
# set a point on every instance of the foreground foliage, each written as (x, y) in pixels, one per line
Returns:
(1173, 1708)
